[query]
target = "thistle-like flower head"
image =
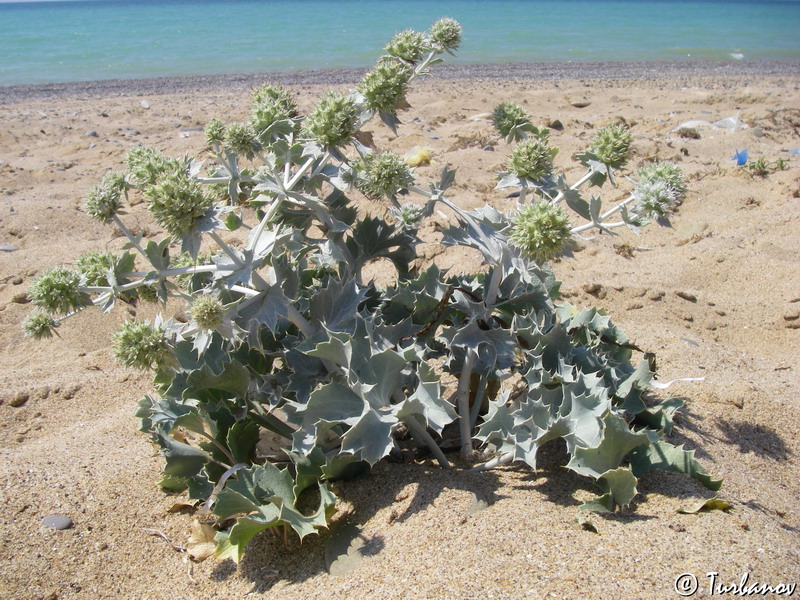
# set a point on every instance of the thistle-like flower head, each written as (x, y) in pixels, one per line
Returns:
(540, 231)
(531, 159)
(667, 173)
(612, 145)
(242, 140)
(145, 164)
(508, 116)
(207, 312)
(57, 290)
(176, 202)
(385, 85)
(39, 325)
(215, 132)
(382, 175)
(408, 45)
(445, 35)
(141, 346)
(654, 199)
(333, 121)
(105, 199)
(409, 216)
(271, 103)
(94, 266)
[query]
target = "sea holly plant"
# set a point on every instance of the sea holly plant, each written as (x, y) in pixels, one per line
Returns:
(284, 367)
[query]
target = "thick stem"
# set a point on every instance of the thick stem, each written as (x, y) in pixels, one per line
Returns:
(587, 176)
(463, 402)
(495, 462)
(131, 238)
(476, 407)
(420, 432)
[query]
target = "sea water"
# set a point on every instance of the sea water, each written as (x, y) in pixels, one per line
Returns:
(48, 42)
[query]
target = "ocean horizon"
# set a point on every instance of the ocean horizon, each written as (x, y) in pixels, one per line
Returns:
(59, 41)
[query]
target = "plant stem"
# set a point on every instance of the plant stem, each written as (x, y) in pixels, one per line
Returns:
(420, 432)
(495, 462)
(463, 402)
(218, 488)
(587, 176)
(476, 407)
(131, 238)
(232, 254)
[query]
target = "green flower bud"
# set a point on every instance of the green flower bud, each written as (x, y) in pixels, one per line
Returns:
(215, 132)
(540, 231)
(667, 173)
(105, 199)
(409, 216)
(531, 159)
(271, 104)
(408, 45)
(612, 145)
(382, 174)
(207, 312)
(39, 325)
(141, 346)
(191, 281)
(94, 267)
(176, 202)
(57, 290)
(654, 199)
(445, 34)
(333, 121)
(145, 164)
(385, 85)
(508, 116)
(242, 140)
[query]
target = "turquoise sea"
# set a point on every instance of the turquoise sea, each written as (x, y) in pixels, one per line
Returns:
(48, 42)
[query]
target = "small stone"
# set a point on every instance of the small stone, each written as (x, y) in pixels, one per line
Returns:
(16, 281)
(686, 296)
(655, 296)
(757, 132)
(8, 248)
(92, 133)
(580, 103)
(21, 298)
(556, 124)
(144, 104)
(634, 306)
(792, 316)
(595, 289)
(721, 313)
(57, 522)
(19, 399)
(688, 133)
(488, 148)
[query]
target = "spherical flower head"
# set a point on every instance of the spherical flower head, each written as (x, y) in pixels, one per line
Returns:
(531, 159)
(667, 173)
(507, 116)
(176, 202)
(57, 290)
(333, 121)
(612, 145)
(408, 45)
(382, 175)
(215, 132)
(540, 231)
(141, 346)
(385, 85)
(242, 140)
(409, 216)
(105, 199)
(271, 103)
(207, 312)
(445, 35)
(145, 164)
(39, 325)
(94, 266)
(654, 199)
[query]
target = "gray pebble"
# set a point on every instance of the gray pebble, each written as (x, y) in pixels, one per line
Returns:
(489, 148)
(757, 132)
(57, 522)
(8, 248)
(144, 104)
(92, 133)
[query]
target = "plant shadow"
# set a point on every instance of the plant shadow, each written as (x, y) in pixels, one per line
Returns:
(751, 437)
(401, 490)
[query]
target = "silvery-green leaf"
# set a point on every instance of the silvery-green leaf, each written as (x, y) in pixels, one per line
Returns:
(668, 457)
(370, 438)
(618, 440)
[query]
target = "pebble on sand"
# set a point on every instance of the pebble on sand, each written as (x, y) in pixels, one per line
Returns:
(57, 522)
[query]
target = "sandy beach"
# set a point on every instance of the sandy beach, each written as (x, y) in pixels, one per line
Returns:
(717, 295)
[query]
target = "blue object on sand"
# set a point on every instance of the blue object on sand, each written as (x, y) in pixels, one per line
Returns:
(794, 151)
(740, 157)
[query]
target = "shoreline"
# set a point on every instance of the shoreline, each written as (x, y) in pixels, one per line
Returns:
(560, 71)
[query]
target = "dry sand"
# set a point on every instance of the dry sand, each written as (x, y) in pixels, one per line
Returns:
(715, 296)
